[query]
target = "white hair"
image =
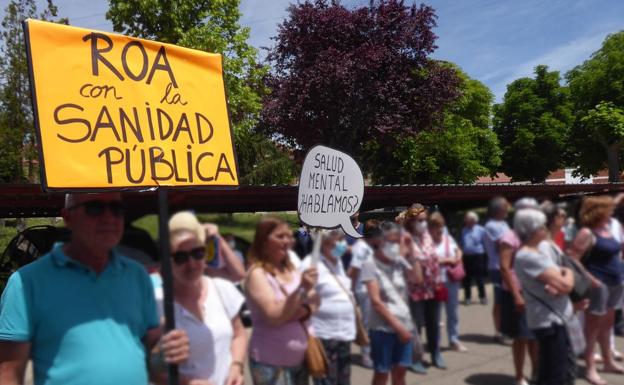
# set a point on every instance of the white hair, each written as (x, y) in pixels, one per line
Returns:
(527, 222)
(526, 203)
(472, 215)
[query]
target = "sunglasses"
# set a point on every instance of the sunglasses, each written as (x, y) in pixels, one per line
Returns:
(180, 257)
(95, 209)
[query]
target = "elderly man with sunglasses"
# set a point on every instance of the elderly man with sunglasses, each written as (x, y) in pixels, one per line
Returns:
(83, 313)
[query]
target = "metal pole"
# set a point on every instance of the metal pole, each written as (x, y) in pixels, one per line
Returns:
(165, 271)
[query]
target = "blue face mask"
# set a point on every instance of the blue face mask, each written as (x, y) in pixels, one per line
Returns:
(340, 248)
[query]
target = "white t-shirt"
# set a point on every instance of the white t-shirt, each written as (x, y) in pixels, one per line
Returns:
(294, 259)
(361, 253)
(442, 251)
(209, 341)
(335, 319)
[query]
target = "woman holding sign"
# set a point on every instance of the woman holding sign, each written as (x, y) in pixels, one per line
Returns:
(206, 308)
(281, 301)
(334, 323)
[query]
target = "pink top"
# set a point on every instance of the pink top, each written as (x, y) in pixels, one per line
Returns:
(282, 345)
(512, 240)
(423, 250)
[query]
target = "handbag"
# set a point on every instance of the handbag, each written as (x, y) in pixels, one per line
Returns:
(315, 356)
(456, 272)
(582, 283)
(440, 293)
(361, 333)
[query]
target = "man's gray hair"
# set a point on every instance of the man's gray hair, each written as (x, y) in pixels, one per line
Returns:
(472, 215)
(527, 222)
(497, 204)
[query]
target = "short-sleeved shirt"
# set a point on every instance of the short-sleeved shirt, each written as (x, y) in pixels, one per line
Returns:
(423, 250)
(494, 230)
(362, 252)
(85, 328)
(447, 248)
(511, 239)
(472, 240)
(528, 266)
(210, 340)
(335, 318)
(393, 291)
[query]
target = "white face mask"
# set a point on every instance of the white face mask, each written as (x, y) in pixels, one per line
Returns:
(391, 250)
(420, 226)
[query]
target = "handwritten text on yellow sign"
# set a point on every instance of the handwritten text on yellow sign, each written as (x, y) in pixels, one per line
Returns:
(115, 111)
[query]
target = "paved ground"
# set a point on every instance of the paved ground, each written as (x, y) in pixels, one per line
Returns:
(486, 362)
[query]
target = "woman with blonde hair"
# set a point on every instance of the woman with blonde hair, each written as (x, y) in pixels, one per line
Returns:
(281, 301)
(207, 308)
(599, 251)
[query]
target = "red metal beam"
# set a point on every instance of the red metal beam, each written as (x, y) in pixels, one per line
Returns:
(28, 200)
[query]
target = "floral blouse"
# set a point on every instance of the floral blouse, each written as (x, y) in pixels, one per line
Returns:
(423, 250)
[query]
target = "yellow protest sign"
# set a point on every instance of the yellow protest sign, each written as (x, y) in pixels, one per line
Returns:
(118, 112)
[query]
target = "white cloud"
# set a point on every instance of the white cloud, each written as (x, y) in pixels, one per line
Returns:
(561, 58)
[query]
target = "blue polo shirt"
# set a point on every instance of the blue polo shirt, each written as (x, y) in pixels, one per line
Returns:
(85, 328)
(472, 240)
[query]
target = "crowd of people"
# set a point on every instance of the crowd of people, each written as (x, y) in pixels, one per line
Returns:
(86, 314)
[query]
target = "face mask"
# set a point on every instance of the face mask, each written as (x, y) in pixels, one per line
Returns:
(339, 249)
(420, 226)
(391, 250)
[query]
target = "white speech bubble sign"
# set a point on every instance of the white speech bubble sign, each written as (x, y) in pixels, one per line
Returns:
(331, 188)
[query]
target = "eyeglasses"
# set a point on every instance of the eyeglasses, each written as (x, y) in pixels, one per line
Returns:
(180, 257)
(96, 208)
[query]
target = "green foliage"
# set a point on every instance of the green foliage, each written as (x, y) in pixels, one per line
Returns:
(213, 26)
(460, 151)
(240, 224)
(533, 125)
(261, 161)
(17, 133)
(597, 91)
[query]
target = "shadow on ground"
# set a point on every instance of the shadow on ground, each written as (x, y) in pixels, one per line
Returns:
(490, 379)
(480, 339)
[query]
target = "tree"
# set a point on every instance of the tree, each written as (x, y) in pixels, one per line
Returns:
(533, 125)
(355, 79)
(461, 148)
(16, 116)
(211, 26)
(597, 91)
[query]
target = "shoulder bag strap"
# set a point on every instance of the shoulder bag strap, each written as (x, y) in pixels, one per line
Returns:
(340, 284)
(538, 299)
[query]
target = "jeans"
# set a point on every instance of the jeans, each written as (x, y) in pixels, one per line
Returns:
(427, 313)
(556, 362)
(475, 270)
(451, 307)
(265, 374)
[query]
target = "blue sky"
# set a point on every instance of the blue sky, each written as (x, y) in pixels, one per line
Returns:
(495, 41)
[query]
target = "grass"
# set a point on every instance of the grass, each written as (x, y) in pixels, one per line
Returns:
(242, 224)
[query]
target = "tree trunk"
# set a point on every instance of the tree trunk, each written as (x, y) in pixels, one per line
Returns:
(613, 161)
